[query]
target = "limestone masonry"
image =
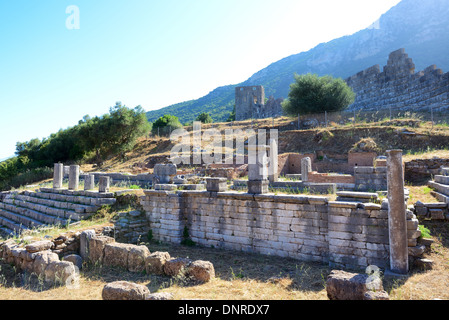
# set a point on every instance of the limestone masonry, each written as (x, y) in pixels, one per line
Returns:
(399, 87)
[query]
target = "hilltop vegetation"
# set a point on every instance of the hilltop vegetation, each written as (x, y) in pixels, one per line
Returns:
(91, 140)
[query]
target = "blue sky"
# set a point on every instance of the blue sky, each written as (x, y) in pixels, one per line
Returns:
(148, 53)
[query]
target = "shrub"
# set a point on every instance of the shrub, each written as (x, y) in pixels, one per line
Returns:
(313, 94)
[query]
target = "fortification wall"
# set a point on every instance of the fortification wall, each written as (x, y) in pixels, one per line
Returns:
(398, 86)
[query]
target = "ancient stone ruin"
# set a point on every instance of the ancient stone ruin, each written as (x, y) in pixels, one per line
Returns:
(399, 87)
(250, 104)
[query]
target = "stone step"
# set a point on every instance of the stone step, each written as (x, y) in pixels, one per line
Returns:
(61, 213)
(440, 197)
(441, 179)
(6, 232)
(79, 208)
(82, 193)
(76, 199)
(445, 171)
(59, 197)
(11, 225)
(441, 188)
(21, 219)
(33, 214)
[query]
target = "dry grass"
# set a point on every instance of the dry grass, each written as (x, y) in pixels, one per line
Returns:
(239, 276)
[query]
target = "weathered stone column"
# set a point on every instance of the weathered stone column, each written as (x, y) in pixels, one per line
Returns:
(397, 219)
(306, 167)
(258, 171)
(104, 184)
(74, 177)
(273, 175)
(58, 175)
(89, 182)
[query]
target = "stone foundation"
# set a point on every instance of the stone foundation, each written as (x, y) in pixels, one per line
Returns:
(308, 228)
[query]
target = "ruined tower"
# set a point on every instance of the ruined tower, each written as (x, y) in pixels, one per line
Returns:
(249, 102)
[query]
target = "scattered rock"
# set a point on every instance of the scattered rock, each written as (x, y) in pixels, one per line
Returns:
(376, 295)
(116, 255)
(39, 246)
(136, 258)
(42, 260)
(342, 285)
(174, 267)
(96, 248)
(58, 272)
(159, 296)
(423, 264)
(155, 262)
(202, 271)
(75, 259)
(122, 290)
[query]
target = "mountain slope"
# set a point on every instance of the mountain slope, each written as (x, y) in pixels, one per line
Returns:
(421, 27)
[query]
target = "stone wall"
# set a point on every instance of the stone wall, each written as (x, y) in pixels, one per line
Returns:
(420, 170)
(131, 227)
(370, 178)
(308, 228)
(399, 87)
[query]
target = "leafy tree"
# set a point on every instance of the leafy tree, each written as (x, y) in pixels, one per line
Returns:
(313, 94)
(165, 124)
(204, 118)
(113, 133)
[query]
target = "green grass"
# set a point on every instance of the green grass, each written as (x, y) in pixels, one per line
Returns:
(425, 232)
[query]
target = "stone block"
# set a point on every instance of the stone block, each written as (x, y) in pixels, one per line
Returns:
(341, 285)
(202, 271)
(39, 246)
(116, 255)
(42, 260)
(122, 290)
(85, 237)
(97, 245)
(258, 187)
(136, 258)
(164, 173)
(75, 259)
(216, 184)
(59, 272)
(176, 266)
(155, 262)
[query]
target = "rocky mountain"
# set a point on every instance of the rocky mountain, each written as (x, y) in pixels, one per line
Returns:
(421, 27)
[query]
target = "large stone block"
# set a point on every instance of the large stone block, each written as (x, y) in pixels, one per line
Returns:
(216, 184)
(136, 258)
(175, 267)
(258, 187)
(85, 238)
(202, 271)
(116, 255)
(42, 260)
(96, 248)
(155, 262)
(343, 285)
(39, 246)
(122, 290)
(164, 173)
(60, 272)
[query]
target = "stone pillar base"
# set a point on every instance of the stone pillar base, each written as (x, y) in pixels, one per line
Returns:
(258, 187)
(216, 184)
